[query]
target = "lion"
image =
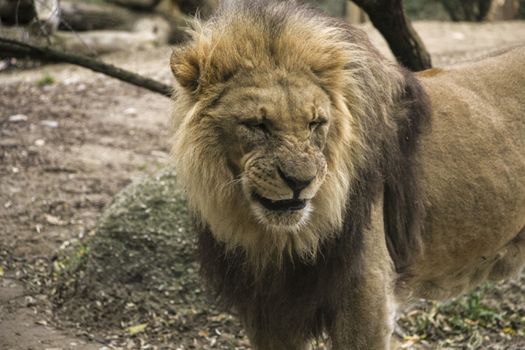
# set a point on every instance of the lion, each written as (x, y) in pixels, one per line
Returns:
(330, 186)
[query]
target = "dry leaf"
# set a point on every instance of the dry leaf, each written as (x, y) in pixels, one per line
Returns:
(137, 329)
(53, 220)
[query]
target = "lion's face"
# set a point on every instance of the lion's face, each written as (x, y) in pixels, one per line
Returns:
(274, 135)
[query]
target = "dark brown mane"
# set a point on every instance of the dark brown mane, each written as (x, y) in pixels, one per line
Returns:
(403, 199)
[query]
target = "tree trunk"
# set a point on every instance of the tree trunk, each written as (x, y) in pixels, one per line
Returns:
(483, 9)
(79, 16)
(406, 45)
(204, 8)
(467, 10)
(452, 10)
(14, 12)
(47, 17)
(138, 5)
(521, 9)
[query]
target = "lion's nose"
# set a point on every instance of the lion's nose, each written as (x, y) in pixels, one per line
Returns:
(297, 185)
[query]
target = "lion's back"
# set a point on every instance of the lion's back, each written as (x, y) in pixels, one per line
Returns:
(494, 82)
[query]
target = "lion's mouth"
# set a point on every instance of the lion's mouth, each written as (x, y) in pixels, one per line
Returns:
(280, 205)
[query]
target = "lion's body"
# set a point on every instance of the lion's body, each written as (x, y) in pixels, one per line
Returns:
(325, 192)
(474, 175)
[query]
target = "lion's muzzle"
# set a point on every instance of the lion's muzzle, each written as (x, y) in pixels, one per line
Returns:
(281, 188)
(296, 185)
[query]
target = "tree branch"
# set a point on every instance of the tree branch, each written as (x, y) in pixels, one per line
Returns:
(14, 48)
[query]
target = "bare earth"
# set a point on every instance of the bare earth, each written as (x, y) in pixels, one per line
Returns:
(67, 147)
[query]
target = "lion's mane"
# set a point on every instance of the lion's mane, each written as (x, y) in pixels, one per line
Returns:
(380, 112)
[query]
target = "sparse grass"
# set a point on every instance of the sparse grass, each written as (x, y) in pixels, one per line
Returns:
(47, 79)
(480, 317)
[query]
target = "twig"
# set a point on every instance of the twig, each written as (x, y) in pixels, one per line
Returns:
(19, 49)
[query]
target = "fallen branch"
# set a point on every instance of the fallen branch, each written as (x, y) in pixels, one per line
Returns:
(14, 48)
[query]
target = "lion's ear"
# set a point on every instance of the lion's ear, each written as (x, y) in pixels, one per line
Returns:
(196, 70)
(185, 67)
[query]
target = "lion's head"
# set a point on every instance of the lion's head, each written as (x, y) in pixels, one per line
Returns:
(274, 145)
(272, 113)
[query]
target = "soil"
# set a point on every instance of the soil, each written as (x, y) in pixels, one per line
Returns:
(71, 139)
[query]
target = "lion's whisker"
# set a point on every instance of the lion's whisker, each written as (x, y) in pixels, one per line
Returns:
(233, 182)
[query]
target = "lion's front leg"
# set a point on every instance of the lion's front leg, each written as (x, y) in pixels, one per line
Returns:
(366, 318)
(366, 312)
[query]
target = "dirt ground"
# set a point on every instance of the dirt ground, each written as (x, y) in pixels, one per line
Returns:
(70, 139)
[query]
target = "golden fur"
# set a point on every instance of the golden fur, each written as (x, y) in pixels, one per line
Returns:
(474, 176)
(270, 96)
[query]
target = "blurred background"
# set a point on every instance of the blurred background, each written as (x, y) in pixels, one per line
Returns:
(101, 26)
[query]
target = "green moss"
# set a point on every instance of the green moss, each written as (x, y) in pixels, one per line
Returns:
(138, 264)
